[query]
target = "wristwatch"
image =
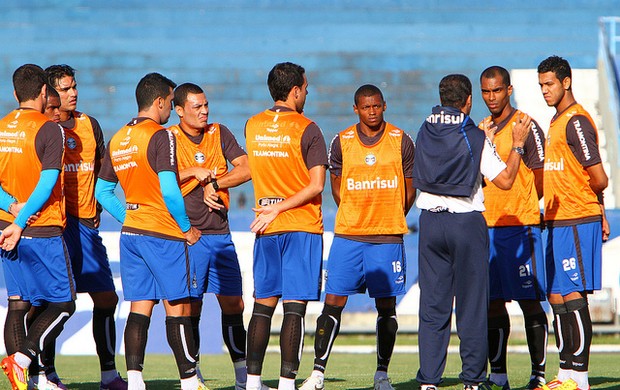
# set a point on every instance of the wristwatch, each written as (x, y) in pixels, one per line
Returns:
(217, 187)
(519, 150)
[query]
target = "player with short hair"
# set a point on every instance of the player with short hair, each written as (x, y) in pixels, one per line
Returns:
(370, 167)
(52, 108)
(141, 156)
(452, 156)
(84, 151)
(517, 265)
(288, 160)
(574, 180)
(37, 269)
(203, 150)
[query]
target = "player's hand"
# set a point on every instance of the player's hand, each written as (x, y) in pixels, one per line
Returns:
(203, 175)
(15, 208)
(211, 198)
(265, 215)
(489, 128)
(10, 237)
(521, 129)
(606, 229)
(192, 235)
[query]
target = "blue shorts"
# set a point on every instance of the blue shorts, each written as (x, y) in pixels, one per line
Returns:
(354, 266)
(214, 266)
(574, 257)
(39, 271)
(288, 265)
(517, 263)
(89, 259)
(153, 268)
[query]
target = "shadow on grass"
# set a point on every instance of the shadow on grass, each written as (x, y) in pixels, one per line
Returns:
(408, 385)
(604, 383)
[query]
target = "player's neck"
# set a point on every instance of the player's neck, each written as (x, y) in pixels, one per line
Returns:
(65, 115)
(371, 132)
(191, 131)
(567, 101)
(502, 116)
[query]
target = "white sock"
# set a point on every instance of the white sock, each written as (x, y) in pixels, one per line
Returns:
(564, 375)
(108, 376)
(241, 371)
(22, 360)
(380, 375)
(135, 380)
(253, 382)
(190, 383)
(286, 384)
(499, 379)
(581, 377)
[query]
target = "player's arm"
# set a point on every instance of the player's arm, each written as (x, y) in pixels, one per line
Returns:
(334, 159)
(266, 214)
(201, 174)
(520, 132)
(335, 182)
(239, 174)
(104, 189)
(408, 154)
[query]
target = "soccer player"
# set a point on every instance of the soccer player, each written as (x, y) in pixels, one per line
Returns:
(36, 267)
(84, 150)
(203, 151)
(517, 264)
(288, 160)
(156, 229)
(574, 180)
(452, 155)
(52, 108)
(370, 167)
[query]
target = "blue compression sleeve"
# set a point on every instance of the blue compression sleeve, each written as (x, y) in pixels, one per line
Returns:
(39, 196)
(5, 200)
(104, 193)
(174, 199)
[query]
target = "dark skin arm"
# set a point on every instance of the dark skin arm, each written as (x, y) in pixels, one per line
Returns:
(335, 180)
(598, 182)
(410, 194)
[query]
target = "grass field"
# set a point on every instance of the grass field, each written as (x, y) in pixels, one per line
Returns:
(345, 371)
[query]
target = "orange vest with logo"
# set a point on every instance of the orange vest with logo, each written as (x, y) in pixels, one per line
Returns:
(567, 192)
(273, 143)
(80, 155)
(519, 205)
(208, 154)
(372, 185)
(146, 209)
(20, 167)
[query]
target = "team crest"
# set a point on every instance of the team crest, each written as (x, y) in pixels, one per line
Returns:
(199, 157)
(370, 159)
(71, 143)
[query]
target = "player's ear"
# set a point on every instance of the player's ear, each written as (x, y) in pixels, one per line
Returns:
(179, 111)
(355, 110)
(509, 89)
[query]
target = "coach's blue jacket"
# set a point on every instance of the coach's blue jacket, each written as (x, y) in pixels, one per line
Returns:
(448, 150)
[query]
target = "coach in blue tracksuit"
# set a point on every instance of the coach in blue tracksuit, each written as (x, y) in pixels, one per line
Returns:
(452, 156)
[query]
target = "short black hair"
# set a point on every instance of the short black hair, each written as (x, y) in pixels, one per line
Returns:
(181, 92)
(558, 65)
(454, 89)
(494, 71)
(52, 92)
(28, 80)
(367, 90)
(151, 87)
(282, 78)
(56, 72)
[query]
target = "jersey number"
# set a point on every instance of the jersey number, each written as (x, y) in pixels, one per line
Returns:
(524, 270)
(569, 264)
(396, 267)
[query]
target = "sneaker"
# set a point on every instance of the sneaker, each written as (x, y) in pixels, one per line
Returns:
(488, 384)
(117, 384)
(383, 384)
(53, 378)
(45, 384)
(556, 384)
(313, 383)
(262, 387)
(17, 376)
(535, 383)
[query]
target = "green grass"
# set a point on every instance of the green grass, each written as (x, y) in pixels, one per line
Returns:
(345, 371)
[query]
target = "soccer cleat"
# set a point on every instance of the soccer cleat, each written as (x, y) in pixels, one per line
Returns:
(202, 386)
(53, 378)
(117, 384)
(556, 384)
(313, 383)
(470, 387)
(262, 387)
(383, 384)
(535, 383)
(488, 384)
(17, 375)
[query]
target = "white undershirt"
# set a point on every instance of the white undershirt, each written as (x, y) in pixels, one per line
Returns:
(491, 165)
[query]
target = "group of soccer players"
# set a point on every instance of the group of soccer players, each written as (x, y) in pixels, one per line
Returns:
(175, 242)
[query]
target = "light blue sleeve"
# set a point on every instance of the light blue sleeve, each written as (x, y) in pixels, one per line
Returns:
(174, 199)
(104, 193)
(39, 196)
(5, 200)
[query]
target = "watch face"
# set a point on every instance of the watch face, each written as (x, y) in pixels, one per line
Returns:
(215, 185)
